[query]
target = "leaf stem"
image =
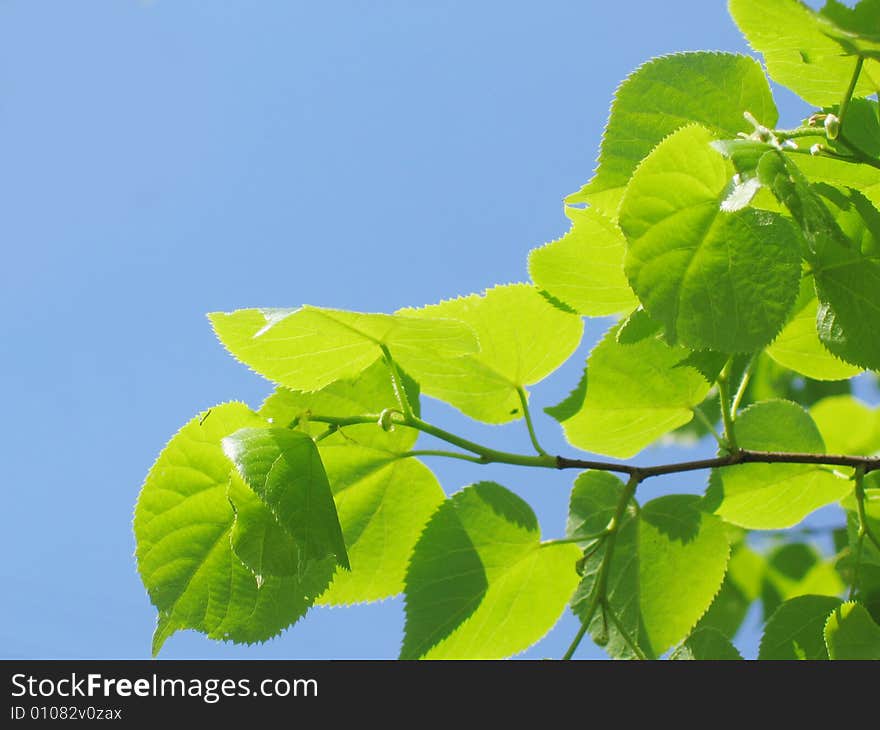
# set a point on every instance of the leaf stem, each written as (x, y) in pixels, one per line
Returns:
(850, 90)
(575, 540)
(704, 419)
(864, 526)
(446, 454)
(331, 429)
(784, 134)
(598, 592)
(630, 642)
(524, 401)
(726, 413)
(741, 390)
(396, 382)
(859, 490)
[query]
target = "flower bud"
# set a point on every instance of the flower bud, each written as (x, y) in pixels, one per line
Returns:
(832, 126)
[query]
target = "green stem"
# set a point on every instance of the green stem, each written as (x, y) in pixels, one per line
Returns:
(576, 642)
(524, 401)
(724, 395)
(864, 526)
(784, 134)
(447, 454)
(850, 90)
(860, 544)
(488, 454)
(859, 490)
(597, 594)
(333, 428)
(741, 390)
(704, 419)
(575, 540)
(630, 642)
(397, 384)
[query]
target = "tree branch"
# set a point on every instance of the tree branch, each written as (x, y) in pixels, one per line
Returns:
(489, 455)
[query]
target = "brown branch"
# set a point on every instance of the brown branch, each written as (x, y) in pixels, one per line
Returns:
(740, 456)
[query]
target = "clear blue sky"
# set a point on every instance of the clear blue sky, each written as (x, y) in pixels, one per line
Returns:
(165, 159)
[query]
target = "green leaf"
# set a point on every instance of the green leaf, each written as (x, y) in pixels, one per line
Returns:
(370, 392)
(852, 634)
(794, 631)
(584, 268)
(668, 563)
(310, 347)
(858, 219)
(263, 545)
(820, 169)
(741, 587)
(797, 52)
(717, 280)
(847, 425)
(848, 287)
(847, 279)
(774, 496)
(383, 499)
(383, 507)
(638, 326)
(523, 338)
(631, 395)
(797, 569)
(850, 26)
(480, 585)
(183, 523)
(771, 381)
(283, 467)
(664, 94)
(798, 347)
(592, 504)
(706, 644)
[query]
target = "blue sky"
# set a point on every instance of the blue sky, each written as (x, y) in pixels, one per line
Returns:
(162, 159)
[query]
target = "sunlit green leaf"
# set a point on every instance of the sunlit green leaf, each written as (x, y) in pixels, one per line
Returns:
(797, 52)
(772, 496)
(664, 94)
(310, 347)
(523, 338)
(631, 396)
(183, 524)
(584, 268)
(706, 644)
(851, 633)
(794, 631)
(667, 564)
(847, 425)
(717, 280)
(480, 584)
(383, 498)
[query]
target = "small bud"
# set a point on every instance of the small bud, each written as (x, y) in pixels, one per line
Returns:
(385, 419)
(789, 144)
(817, 149)
(832, 126)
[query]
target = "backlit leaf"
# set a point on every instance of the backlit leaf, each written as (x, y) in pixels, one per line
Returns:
(523, 338)
(774, 496)
(480, 584)
(664, 94)
(631, 396)
(717, 280)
